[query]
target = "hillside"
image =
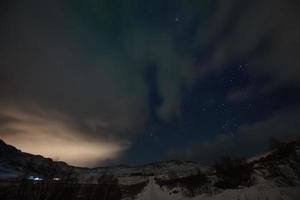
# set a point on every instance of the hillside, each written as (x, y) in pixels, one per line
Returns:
(272, 175)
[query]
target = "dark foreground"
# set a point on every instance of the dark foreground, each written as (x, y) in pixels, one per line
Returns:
(66, 191)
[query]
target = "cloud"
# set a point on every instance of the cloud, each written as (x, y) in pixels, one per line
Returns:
(44, 62)
(66, 57)
(264, 33)
(250, 138)
(87, 59)
(53, 134)
(174, 69)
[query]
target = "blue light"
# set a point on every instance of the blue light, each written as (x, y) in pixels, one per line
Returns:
(34, 178)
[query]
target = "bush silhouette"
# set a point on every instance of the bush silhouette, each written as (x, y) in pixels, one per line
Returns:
(191, 185)
(232, 172)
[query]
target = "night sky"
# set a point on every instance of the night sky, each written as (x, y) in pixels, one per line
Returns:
(107, 82)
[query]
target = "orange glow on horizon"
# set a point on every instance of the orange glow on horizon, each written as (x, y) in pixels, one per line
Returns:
(54, 136)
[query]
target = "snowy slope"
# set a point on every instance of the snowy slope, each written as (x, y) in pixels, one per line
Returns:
(153, 191)
(265, 191)
(259, 192)
(273, 175)
(15, 163)
(137, 174)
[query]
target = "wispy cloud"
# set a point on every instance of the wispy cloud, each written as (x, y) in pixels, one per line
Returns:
(250, 138)
(53, 134)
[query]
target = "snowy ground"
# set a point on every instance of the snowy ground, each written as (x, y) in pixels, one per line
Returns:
(259, 192)
(153, 192)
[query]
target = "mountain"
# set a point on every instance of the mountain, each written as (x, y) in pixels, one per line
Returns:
(272, 175)
(16, 164)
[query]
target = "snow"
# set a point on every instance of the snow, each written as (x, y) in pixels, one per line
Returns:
(126, 177)
(153, 192)
(272, 180)
(132, 180)
(259, 192)
(266, 191)
(259, 156)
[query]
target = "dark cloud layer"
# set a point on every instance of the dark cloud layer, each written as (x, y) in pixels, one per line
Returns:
(250, 138)
(264, 33)
(87, 60)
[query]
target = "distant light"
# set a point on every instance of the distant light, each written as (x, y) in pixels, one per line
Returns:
(176, 19)
(34, 178)
(56, 179)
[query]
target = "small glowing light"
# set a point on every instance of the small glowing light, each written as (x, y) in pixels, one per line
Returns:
(34, 178)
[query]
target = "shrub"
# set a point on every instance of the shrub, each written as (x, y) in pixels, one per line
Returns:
(191, 185)
(282, 149)
(233, 172)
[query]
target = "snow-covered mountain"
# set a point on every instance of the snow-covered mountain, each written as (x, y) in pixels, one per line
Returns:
(271, 175)
(17, 164)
